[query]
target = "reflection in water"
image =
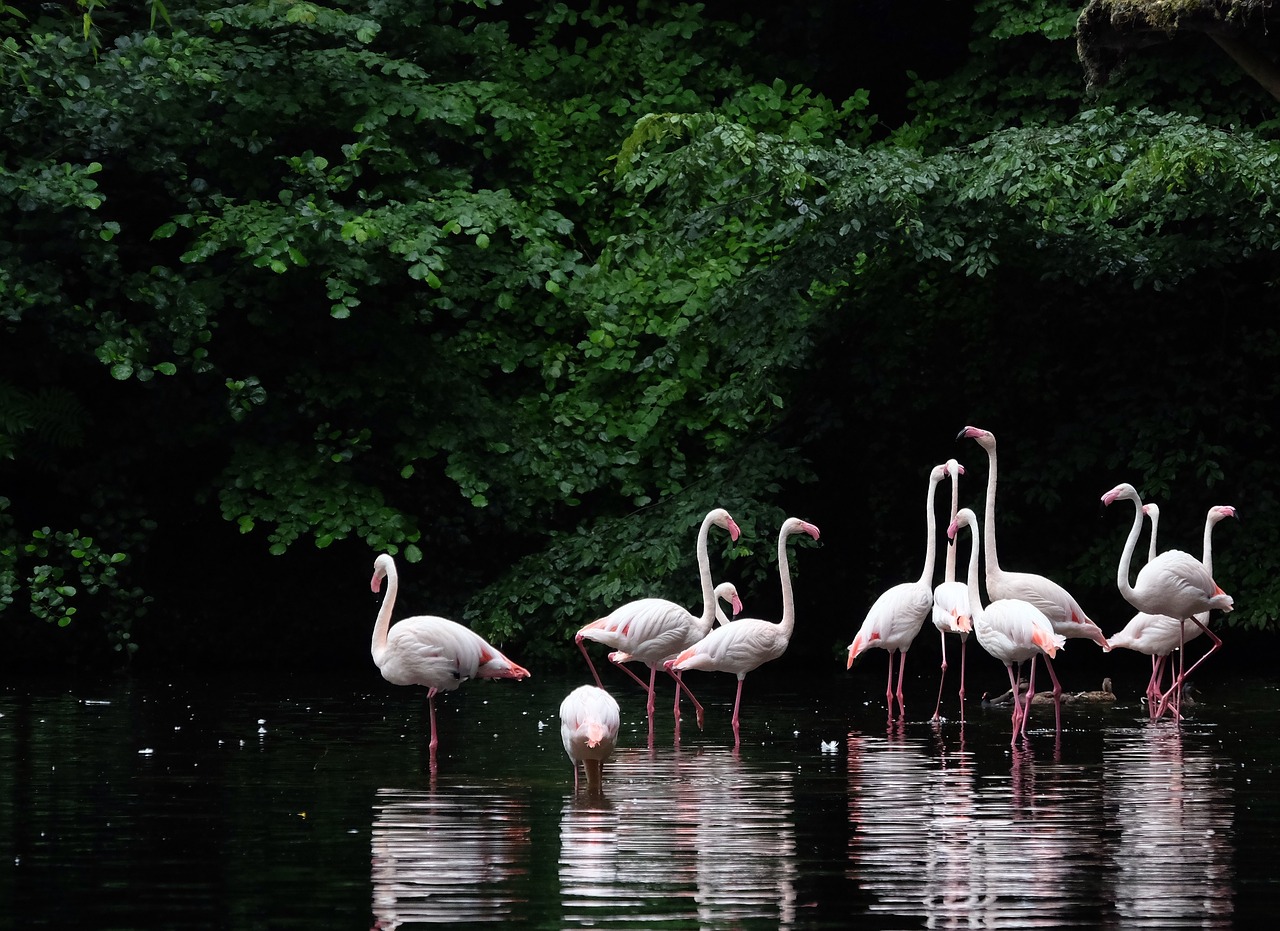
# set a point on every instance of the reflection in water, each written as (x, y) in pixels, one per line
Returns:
(680, 837)
(1174, 809)
(446, 857)
(931, 839)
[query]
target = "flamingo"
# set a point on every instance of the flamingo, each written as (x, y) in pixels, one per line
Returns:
(749, 642)
(951, 600)
(589, 721)
(1054, 601)
(1158, 634)
(653, 630)
(430, 651)
(1011, 630)
(898, 614)
(1173, 583)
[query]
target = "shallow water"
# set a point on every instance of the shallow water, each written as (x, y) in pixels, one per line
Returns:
(311, 804)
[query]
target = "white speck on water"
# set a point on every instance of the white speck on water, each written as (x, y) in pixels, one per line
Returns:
(146, 751)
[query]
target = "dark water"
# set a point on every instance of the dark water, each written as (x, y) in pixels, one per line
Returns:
(308, 804)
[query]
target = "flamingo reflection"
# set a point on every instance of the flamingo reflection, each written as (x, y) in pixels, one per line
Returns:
(932, 838)
(447, 856)
(679, 840)
(1173, 806)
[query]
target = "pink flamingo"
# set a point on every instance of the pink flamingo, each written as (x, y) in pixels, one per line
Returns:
(898, 614)
(748, 643)
(1173, 583)
(589, 721)
(653, 630)
(430, 651)
(1011, 630)
(951, 600)
(1054, 601)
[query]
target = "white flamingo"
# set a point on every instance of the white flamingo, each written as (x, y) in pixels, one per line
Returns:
(430, 651)
(1054, 601)
(897, 615)
(951, 600)
(1011, 630)
(589, 721)
(749, 643)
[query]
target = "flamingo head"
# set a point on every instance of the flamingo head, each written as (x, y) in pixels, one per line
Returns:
(720, 517)
(382, 567)
(1123, 490)
(954, 469)
(964, 518)
(986, 439)
(1219, 511)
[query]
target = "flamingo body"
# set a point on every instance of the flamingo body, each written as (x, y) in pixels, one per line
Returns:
(589, 721)
(433, 652)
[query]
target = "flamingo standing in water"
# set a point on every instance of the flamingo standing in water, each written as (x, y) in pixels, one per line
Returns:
(1011, 630)
(589, 721)
(430, 651)
(951, 600)
(1054, 601)
(653, 630)
(1173, 583)
(898, 614)
(1159, 635)
(745, 644)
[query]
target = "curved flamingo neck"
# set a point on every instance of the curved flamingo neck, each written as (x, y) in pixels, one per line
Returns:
(383, 623)
(788, 622)
(931, 522)
(1155, 524)
(989, 516)
(950, 573)
(975, 591)
(704, 574)
(1122, 574)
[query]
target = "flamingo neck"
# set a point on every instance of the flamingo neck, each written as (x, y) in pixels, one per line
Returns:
(950, 573)
(704, 574)
(383, 623)
(931, 546)
(788, 622)
(1155, 523)
(1122, 574)
(1207, 559)
(975, 591)
(989, 516)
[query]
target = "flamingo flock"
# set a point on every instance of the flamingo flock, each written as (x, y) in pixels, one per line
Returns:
(1027, 618)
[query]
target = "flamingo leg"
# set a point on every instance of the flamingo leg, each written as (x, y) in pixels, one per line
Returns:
(1031, 691)
(1013, 686)
(737, 702)
(696, 704)
(888, 689)
(1176, 688)
(964, 646)
(937, 711)
(592, 666)
(1057, 695)
(902, 669)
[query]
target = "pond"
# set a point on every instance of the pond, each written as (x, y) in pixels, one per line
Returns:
(310, 804)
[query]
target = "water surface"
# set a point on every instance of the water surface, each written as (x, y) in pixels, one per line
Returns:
(311, 804)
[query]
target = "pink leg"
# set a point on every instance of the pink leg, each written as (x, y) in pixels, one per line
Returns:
(1017, 717)
(902, 669)
(888, 689)
(1176, 689)
(1057, 694)
(681, 687)
(1031, 691)
(942, 680)
(964, 646)
(736, 703)
(592, 666)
